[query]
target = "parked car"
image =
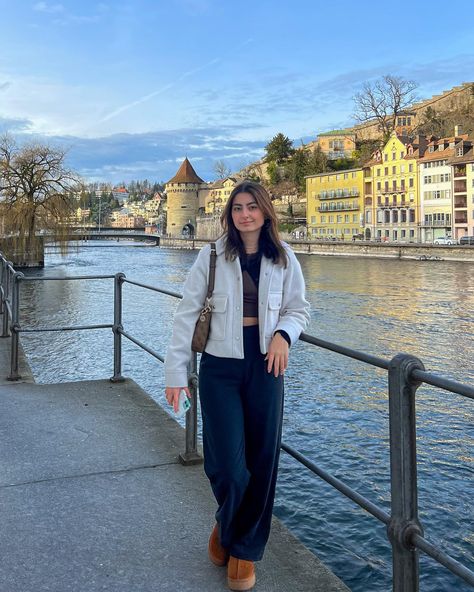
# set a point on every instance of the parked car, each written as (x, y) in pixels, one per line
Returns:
(444, 240)
(466, 240)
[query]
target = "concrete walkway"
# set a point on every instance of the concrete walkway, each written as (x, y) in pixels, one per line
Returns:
(94, 498)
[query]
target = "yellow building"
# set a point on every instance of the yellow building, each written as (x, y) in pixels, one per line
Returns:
(395, 214)
(214, 196)
(334, 204)
(337, 143)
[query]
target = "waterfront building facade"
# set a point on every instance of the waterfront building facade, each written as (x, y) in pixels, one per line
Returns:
(462, 164)
(334, 204)
(183, 201)
(396, 207)
(435, 188)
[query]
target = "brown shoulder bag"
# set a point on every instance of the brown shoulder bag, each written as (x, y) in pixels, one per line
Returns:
(203, 324)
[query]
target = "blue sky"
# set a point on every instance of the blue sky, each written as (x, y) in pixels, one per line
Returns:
(131, 87)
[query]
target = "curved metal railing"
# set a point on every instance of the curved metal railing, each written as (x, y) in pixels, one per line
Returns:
(405, 374)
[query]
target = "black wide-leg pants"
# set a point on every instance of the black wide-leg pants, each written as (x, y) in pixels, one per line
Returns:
(242, 409)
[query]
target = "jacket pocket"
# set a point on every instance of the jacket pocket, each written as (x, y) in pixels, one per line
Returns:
(219, 317)
(273, 312)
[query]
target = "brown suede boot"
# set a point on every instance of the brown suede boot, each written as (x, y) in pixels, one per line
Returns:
(240, 574)
(217, 554)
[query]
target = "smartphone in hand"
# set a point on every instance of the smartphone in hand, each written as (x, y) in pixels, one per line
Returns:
(184, 405)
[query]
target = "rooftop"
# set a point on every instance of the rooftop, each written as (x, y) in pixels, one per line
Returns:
(186, 174)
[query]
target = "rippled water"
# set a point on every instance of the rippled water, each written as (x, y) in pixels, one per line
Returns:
(336, 408)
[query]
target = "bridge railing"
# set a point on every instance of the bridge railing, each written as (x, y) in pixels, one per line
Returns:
(405, 374)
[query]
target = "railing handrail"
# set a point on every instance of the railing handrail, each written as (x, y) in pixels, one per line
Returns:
(406, 373)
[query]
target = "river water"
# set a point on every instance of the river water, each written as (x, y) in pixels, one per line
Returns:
(336, 408)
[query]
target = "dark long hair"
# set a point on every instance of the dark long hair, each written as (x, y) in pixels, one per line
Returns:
(269, 243)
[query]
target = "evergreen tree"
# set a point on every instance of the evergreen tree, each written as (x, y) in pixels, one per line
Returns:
(279, 149)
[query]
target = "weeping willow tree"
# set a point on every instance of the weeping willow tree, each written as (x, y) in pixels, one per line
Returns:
(36, 198)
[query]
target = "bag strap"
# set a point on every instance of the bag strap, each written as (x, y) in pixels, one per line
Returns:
(212, 270)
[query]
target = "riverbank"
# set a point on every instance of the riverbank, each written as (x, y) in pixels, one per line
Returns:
(413, 252)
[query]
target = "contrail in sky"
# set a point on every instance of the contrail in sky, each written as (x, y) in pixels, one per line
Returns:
(166, 87)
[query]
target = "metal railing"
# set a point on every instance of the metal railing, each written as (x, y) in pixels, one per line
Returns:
(405, 374)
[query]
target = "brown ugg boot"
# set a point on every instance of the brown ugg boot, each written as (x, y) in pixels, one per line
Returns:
(217, 554)
(240, 574)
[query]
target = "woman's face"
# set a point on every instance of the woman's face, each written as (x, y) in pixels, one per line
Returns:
(246, 214)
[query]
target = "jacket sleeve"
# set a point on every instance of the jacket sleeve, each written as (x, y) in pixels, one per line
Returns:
(178, 355)
(294, 312)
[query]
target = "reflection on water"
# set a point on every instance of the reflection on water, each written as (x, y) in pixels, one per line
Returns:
(336, 409)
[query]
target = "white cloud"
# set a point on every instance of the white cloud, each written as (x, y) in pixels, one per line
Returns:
(49, 8)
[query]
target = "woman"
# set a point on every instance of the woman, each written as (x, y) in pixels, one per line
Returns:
(259, 311)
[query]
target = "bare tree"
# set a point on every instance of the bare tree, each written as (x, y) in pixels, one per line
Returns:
(35, 193)
(221, 169)
(383, 100)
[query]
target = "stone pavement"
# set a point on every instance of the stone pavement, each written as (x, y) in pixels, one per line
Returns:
(94, 498)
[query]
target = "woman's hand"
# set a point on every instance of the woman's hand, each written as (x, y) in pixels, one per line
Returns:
(172, 395)
(277, 356)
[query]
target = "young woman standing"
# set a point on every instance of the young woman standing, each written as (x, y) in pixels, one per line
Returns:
(259, 311)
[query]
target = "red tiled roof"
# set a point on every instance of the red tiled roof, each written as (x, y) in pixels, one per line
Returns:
(186, 174)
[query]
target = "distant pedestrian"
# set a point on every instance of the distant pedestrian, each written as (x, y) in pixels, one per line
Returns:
(258, 312)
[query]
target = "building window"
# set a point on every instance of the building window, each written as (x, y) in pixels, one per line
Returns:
(410, 168)
(385, 157)
(346, 175)
(394, 170)
(378, 172)
(394, 156)
(402, 155)
(313, 219)
(386, 171)
(379, 185)
(410, 182)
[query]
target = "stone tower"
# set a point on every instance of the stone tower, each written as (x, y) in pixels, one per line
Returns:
(183, 201)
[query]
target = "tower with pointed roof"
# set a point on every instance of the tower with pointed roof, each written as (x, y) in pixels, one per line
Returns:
(183, 201)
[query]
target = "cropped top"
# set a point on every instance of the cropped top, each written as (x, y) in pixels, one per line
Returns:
(250, 266)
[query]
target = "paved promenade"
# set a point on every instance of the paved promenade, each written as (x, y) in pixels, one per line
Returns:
(94, 498)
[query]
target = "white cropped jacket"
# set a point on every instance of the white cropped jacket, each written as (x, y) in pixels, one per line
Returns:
(281, 305)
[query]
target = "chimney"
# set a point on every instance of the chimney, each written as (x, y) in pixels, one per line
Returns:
(457, 131)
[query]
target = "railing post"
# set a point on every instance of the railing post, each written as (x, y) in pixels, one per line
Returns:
(191, 455)
(2, 276)
(6, 296)
(15, 326)
(117, 328)
(404, 489)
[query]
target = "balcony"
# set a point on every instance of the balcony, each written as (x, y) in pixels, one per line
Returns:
(460, 204)
(334, 195)
(345, 208)
(460, 172)
(392, 205)
(397, 189)
(460, 186)
(436, 224)
(461, 220)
